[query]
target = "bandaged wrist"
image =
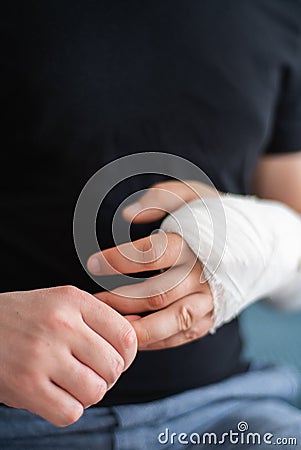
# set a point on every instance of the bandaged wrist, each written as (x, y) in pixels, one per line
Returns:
(262, 251)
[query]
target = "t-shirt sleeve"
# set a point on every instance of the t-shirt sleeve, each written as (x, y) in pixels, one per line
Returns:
(286, 133)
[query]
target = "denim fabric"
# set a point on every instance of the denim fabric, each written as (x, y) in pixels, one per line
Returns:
(259, 400)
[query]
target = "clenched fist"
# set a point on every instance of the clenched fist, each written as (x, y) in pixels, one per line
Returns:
(61, 350)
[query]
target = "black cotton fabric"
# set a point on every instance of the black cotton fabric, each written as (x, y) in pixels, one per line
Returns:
(85, 82)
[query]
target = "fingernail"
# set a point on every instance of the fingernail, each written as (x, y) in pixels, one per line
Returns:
(133, 209)
(94, 266)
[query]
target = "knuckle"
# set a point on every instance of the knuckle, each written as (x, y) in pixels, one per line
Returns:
(157, 300)
(69, 416)
(128, 337)
(97, 392)
(185, 318)
(114, 371)
(69, 291)
(144, 336)
(57, 318)
(146, 246)
(199, 331)
(93, 387)
(192, 334)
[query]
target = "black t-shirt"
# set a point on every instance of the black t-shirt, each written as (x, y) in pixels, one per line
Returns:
(84, 82)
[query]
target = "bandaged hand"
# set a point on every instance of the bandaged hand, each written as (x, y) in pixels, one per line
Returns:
(260, 257)
(179, 307)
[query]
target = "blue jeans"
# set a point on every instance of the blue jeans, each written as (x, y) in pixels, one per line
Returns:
(254, 405)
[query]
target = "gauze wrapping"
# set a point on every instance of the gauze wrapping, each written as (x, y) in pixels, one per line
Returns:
(262, 251)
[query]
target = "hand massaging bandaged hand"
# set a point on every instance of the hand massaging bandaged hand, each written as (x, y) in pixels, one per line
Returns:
(262, 251)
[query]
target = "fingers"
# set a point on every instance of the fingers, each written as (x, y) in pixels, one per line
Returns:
(110, 326)
(156, 292)
(54, 404)
(155, 252)
(163, 198)
(88, 348)
(181, 338)
(184, 316)
(84, 384)
(68, 350)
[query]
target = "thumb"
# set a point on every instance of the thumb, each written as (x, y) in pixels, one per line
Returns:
(164, 198)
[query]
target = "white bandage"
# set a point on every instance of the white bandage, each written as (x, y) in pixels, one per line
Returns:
(262, 252)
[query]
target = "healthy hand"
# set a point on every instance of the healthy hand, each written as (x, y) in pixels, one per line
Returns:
(181, 306)
(61, 350)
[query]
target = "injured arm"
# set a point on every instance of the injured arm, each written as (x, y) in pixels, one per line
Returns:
(262, 253)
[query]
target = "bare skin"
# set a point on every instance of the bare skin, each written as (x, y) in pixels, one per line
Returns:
(63, 350)
(184, 313)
